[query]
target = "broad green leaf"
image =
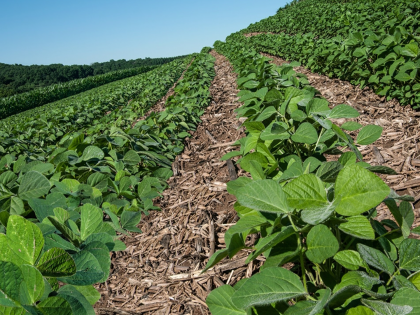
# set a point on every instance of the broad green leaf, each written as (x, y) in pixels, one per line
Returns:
(55, 305)
(255, 156)
(347, 158)
(349, 259)
(44, 207)
(130, 220)
(409, 251)
(328, 171)
(357, 190)
(407, 296)
(78, 303)
(88, 270)
(23, 241)
(101, 253)
(358, 226)
(56, 262)
(241, 230)
(351, 126)
(403, 76)
(319, 215)
(234, 185)
(33, 185)
(32, 288)
(281, 253)
(215, 258)
(310, 307)
(131, 158)
(359, 278)
(90, 293)
(11, 278)
(321, 244)
(263, 195)
(360, 310)
(306, 192)
(343, 111)
(384, 308)
(270, 241)
(92, 152)
(369, 134)
(269, 286)
(342, 295)
(220, 303)
(376, 258)
(306, 133)
(91, 219)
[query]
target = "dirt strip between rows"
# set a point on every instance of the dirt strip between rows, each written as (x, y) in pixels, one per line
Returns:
(159, 273)
(398, 146)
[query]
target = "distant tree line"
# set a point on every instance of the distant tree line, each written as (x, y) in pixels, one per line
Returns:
(15, 79)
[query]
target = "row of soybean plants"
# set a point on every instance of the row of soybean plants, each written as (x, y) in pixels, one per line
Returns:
(18, 103)
(316, 214)
(36, 132)
(373, 43)
(60, 216)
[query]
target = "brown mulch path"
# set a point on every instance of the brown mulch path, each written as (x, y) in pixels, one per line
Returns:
(160, 105)
(159, 272)
(397, 148)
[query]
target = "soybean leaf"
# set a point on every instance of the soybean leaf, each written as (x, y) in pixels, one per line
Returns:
(91, 218)
(270, 241)
(56, 262)
(309, 307)
(358, 226)
(369, 134)
(101, 253)
(375, 258)
(384, 308)
(33, 185)
(306, 192)
(357, 190)
(263, 195)
(22, 243)
(131, 158)
(360, 310)
(342, 295)
(343, 111)
(89, 292)
(32, 288)
(215, 258)
(349, 259)
(78, 303)
(410, 254)
(269, 286)
(321, 244)
(11, 278)
(88, 270)
(220, 303)
(407, 296)
(129, 220)
(351, 126)
(55, 305)
(306, 133)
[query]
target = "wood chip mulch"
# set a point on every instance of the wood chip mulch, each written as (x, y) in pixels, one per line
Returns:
(160, 271)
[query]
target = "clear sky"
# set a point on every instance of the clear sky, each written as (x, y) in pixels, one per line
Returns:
(82, 32)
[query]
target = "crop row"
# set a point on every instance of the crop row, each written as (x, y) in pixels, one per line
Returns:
(316, 214)
(374, 44)
(60, 216)
(21, 102)
(36, 132)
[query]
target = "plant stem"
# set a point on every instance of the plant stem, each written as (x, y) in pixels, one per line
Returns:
(390, 232)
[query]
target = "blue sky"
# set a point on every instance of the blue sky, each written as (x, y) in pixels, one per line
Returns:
(82, 32)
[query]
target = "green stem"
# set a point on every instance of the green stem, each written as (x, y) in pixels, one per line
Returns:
(319, 138)
(387, 233)
(392, 277)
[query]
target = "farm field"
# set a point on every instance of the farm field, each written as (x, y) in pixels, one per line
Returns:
(277, 172)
